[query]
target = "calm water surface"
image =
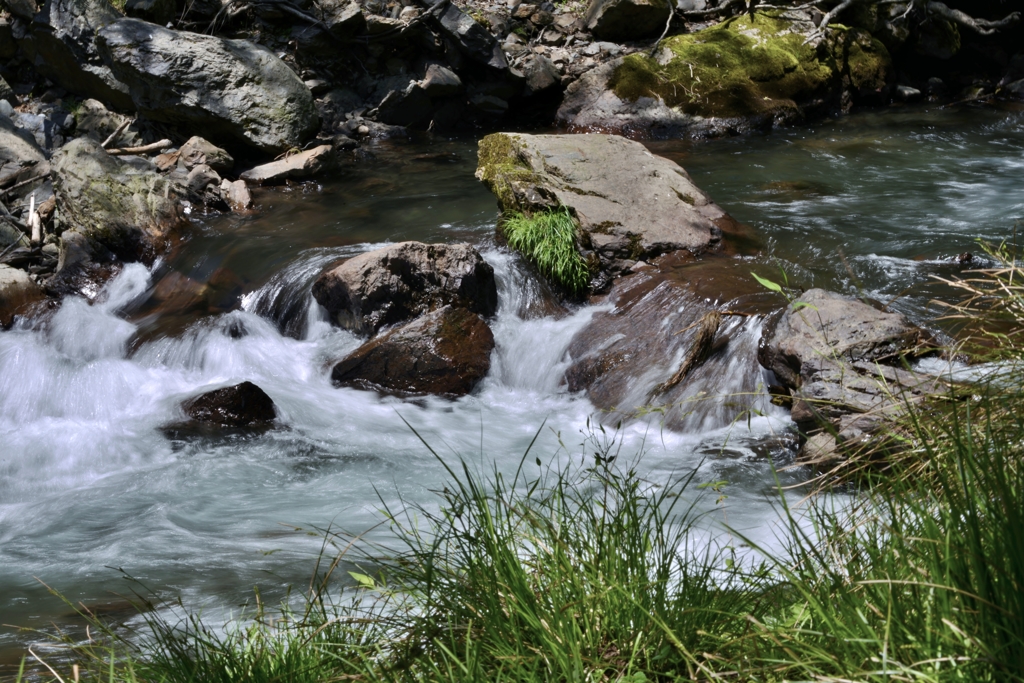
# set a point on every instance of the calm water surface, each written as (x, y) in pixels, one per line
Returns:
(874, 203)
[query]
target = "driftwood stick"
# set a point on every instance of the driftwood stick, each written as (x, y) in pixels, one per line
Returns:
(23, 183)
(34, 221)
(113, 136)
(144, 149)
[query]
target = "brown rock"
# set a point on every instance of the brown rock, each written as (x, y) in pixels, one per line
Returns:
(17, 293)
(197, 151)
(404, 280)
(446, 352)
(236, 194)
(301, 165)
(627, 19)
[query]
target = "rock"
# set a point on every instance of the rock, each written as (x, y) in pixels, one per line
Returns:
(540, 74)
(488, 105)
(741, 75)
(524, 11)
(301, 165)
(232, 90)
(622, 357)
(236, 194)
(20, 154)
(823, 327)
(75, 250)
(155, 11)
(408, 107)
(47, 128)
(344, 18)
(905, 93)
(96, 121)
(445, 352)
(17, 293)
(7, 93)
(23, 9)
(937, 38)
(198, 151)
(61, 45)
(241, 405)
(126, 207)
(390, 285)
(629, 204)
(1014, 90)
(204, 186)
(440, 81)
(473, 40)
(11, 234)
(624, 20)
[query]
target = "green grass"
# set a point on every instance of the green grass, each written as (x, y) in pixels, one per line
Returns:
(591, 573)
(548, 240)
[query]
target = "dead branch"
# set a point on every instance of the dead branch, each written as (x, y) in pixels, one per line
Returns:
(113, 136)
(720, 9)
(144, 149)
(982, 26)
(703, 345)
(23, 183)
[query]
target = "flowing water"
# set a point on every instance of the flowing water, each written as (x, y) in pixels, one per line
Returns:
(91, 482)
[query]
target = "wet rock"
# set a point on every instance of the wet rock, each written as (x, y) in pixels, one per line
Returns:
(623, 20)
(236, 194)
(235, 92)
(61, 44)
(625, 358)
(17, 294)
(472, 39)
(905, 93)
(629, 203)
(750, 73)
(197, 151)
(404, 280)
(204, 186)
(155, 11)
(241, 405)
(125, 206)
(445, 352)
(301, 165)
(541, 74)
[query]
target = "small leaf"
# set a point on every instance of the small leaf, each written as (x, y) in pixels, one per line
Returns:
(363, 580)
(767, 284)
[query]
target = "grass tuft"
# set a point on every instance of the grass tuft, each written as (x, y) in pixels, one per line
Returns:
(548, 240)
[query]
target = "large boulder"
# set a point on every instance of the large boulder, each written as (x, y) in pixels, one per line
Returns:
(61, 43)
(747, 73)
(232, 91)
(122, 206)
(241, 405)
(20, 154)
(404, 280)
(621, 20)
(630, 205)
(17, 293)
(445, 352)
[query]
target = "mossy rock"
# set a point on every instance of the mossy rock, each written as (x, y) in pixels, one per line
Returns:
(753, 65)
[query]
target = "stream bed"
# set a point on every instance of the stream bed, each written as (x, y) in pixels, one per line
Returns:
(90, 484)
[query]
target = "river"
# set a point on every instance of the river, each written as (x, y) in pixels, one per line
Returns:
(874, 203)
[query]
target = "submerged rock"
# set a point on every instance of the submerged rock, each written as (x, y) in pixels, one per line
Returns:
(122, 206)
(630, 205)
(743, 74)
(404, 280)
(445, 352)
(233, 91)
(241, 405)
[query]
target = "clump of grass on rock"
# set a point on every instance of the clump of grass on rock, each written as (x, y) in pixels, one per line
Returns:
(548, 240)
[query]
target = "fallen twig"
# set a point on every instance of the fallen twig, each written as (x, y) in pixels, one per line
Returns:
(23, 183)
(144, 149)
(113, 136)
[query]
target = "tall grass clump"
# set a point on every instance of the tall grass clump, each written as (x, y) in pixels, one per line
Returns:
(923, 580)
(548, 240)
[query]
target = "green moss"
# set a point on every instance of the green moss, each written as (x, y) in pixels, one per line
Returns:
(548, 240)
(867, 61)
(746, 65)
(501, 169)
